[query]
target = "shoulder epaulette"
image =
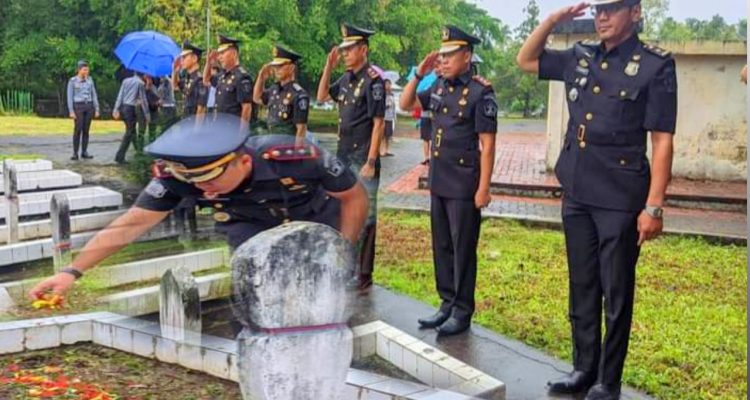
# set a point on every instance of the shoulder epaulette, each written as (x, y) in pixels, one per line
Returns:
(482, 80)
(656, 50)
(290, 153)
(297, 87)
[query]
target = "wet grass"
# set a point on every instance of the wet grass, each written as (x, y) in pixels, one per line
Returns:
(689, 331)
(33, 125)
(86, 293)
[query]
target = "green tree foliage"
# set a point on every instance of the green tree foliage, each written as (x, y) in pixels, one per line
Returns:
(41, 40)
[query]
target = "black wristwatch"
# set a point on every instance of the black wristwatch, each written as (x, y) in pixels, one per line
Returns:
(72, 271)
(419, 77)
(371, 162)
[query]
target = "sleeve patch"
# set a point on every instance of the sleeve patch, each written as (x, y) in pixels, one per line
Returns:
(155, 189)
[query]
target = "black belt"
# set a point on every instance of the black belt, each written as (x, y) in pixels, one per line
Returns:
(582, 134)
(83, 102)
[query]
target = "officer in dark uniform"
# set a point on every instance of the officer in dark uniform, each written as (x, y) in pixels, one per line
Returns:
(464, 124)
(234, 86)
(618, 89)
(360, 94)
(288, 103)
(252, 185)
(187, 78)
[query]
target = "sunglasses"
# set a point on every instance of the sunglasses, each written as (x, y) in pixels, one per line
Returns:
(201, 174)
(607, 9)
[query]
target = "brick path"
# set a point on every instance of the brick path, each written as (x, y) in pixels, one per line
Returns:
(520, 161)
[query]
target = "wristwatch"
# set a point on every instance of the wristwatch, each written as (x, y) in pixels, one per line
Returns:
(371, 162)
(419, 77)
(654, 211)
(72, 271)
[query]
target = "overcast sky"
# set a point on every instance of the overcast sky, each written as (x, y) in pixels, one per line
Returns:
(511, 11)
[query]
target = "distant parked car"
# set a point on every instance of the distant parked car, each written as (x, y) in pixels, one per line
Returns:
(325, 106)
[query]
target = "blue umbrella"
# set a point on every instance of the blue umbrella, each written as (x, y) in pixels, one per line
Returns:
(426, 82)
(148, 52)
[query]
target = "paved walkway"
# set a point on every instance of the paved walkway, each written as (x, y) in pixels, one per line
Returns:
(519, 160)
(399, 190)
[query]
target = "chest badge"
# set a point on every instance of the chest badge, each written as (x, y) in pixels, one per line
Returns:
(632, 68)
(221, 216)
(573, 95)
(462, 102)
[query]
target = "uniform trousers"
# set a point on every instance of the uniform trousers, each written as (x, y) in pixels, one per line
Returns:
(602, 249)
(455, 234)
(84, 114)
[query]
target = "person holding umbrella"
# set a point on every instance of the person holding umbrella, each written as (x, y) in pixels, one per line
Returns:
(288, 103)
(234, 87)
(83, 105)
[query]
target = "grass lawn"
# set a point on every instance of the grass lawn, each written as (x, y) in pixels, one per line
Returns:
(33, 125)
(689, 330)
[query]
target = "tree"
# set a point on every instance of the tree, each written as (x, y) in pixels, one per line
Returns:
(654, 14)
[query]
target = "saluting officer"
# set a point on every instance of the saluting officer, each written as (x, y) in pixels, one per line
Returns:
(234, 86)
(252, 184)
(288, 103)
(464, 125)
(618, 89)
(187, 78)
(360, 94)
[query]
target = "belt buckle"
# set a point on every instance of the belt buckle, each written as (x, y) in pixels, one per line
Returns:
(581, 136)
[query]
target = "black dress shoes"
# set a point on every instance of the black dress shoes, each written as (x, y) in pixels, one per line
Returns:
(574, 383)
(75, 157)
(87, 156)
(453, 326)
(434, 320)
(603, 392)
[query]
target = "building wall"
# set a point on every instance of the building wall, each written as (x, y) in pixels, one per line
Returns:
(711, 139)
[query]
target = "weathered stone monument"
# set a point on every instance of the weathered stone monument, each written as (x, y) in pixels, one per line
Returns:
(10, 183)
(290, 294)
(59, 210)
(180, 306)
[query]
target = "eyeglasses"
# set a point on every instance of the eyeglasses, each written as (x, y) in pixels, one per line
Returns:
(201, 174)
(607, 9)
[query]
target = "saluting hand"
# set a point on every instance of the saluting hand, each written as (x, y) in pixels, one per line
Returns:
(648, 227)
(265, 72)
(333, 57)
(177, 64)
(570, 12)
(213, 55)
(427, 65)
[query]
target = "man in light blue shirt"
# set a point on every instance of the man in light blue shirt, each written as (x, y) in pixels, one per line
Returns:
(83, 106)
(132, 94)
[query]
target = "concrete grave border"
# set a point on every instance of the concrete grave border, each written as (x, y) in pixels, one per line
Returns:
(214, 356)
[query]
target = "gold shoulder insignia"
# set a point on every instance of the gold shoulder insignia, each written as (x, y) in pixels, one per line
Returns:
(591, 42)
(656, 50)
(482, 80)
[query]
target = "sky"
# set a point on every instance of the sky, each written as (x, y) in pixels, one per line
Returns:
(511, 11)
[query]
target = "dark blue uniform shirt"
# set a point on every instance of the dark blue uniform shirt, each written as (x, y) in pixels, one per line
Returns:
(461, 109)
(233, 89)
(614, 98)
(288, 105)
(361, 98)
(281, 187)
(194, 92)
